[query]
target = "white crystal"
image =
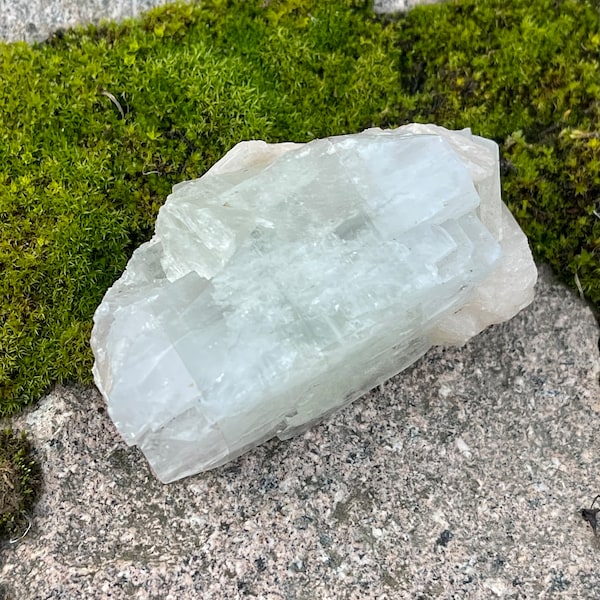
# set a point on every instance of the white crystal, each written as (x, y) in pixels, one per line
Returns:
(292, 278)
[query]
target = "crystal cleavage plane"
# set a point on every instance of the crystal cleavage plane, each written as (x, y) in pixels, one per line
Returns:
(292, 278)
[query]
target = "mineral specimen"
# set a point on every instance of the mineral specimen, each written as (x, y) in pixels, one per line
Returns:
(292, 278)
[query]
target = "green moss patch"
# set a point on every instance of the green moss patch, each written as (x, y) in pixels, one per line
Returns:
(20, 482)
(97, 124)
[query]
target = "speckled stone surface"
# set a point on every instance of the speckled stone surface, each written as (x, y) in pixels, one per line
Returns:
(35, 20)
(396, 6)
(459, 478)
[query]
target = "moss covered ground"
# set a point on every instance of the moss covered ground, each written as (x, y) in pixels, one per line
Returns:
(20, 482)
(97, 124)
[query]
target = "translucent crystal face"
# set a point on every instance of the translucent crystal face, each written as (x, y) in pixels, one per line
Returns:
(288, 281)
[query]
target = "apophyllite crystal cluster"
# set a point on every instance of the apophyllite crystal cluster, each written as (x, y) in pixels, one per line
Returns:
(292, 278)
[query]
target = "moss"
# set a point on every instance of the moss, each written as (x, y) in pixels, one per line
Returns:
(20, 482)
(97, 124)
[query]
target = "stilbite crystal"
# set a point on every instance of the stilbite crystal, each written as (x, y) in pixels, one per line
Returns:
(292, 278)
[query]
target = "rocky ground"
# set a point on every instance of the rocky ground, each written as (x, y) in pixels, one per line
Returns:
(462, 477)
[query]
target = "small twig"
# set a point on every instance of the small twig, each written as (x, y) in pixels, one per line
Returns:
(578, 284)
(150, 172)
(14, 541)
(112, 98)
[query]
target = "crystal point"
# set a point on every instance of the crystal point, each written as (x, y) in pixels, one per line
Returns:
(292, 278)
